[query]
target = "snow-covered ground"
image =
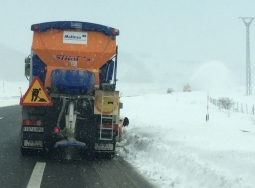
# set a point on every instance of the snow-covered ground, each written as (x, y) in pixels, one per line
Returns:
(170, 142)
(10, 92)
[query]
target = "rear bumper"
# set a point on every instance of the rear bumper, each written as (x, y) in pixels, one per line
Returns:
(34, 140)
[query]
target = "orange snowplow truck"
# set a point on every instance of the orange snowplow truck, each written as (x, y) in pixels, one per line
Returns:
(71, 100)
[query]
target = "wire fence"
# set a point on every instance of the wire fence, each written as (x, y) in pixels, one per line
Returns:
(233, 106)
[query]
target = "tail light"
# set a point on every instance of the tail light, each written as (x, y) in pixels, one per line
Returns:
(27, 122)
(36, 27)
(56, 130)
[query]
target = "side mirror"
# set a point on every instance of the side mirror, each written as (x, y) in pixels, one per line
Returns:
(27, 66)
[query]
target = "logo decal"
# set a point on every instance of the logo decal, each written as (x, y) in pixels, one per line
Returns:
(71, 58)
(72, 37)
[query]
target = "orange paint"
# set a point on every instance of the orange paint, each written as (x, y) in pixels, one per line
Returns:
(120, 128)
(55, 54)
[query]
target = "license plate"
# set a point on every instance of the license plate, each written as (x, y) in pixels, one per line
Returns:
(33, 143)
(100, 146)
(33, 129)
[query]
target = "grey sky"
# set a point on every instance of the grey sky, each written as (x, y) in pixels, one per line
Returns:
(168, 36)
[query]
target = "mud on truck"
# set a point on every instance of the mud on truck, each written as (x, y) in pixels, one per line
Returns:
(71, 100)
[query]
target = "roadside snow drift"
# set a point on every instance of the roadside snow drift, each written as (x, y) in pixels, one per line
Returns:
(170, 142)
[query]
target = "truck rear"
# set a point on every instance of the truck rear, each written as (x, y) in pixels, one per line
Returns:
(71, 100)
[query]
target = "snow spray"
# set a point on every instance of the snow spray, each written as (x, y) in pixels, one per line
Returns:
(212, 75)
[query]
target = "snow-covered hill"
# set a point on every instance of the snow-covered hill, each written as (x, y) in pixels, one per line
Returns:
(12, 64)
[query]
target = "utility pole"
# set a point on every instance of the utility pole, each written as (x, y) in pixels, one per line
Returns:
(248, 64)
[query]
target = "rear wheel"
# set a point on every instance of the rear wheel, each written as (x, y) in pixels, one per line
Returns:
(47, 150)
(89, 153)
(109, 155)
(24, 151)
(105, 155)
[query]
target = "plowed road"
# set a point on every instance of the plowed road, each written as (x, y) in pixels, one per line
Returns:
(39, 171)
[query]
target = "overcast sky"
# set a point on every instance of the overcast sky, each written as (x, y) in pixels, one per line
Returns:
(167, 36)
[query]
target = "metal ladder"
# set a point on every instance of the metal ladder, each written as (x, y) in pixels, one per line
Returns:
(106, 117)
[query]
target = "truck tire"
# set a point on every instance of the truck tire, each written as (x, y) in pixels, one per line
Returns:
(24, 151)
(90, 153)
(47, 151)
(109, 155)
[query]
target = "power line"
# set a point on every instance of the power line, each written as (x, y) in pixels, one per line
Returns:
(248, 64)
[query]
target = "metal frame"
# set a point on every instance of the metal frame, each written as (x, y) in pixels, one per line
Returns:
(248, 64)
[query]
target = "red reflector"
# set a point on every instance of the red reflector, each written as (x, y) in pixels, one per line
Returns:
(114, 32)
(56, 130)
(36, 27)
(32, 122)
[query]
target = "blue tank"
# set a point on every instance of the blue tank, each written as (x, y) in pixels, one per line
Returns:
(72, 81)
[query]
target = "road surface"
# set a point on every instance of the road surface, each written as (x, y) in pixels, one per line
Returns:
(39, 171)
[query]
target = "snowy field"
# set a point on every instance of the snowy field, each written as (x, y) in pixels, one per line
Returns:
(10, 93)
(170, 142)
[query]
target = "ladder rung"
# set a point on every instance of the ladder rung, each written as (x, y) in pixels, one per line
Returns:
(107, 117)
(111, 117)
(106, 139)
(107, 128)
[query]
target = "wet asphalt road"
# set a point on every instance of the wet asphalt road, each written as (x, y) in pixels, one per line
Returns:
(16, 170)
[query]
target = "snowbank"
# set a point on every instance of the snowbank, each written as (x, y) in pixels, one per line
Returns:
(10, 92)
(170, 142)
